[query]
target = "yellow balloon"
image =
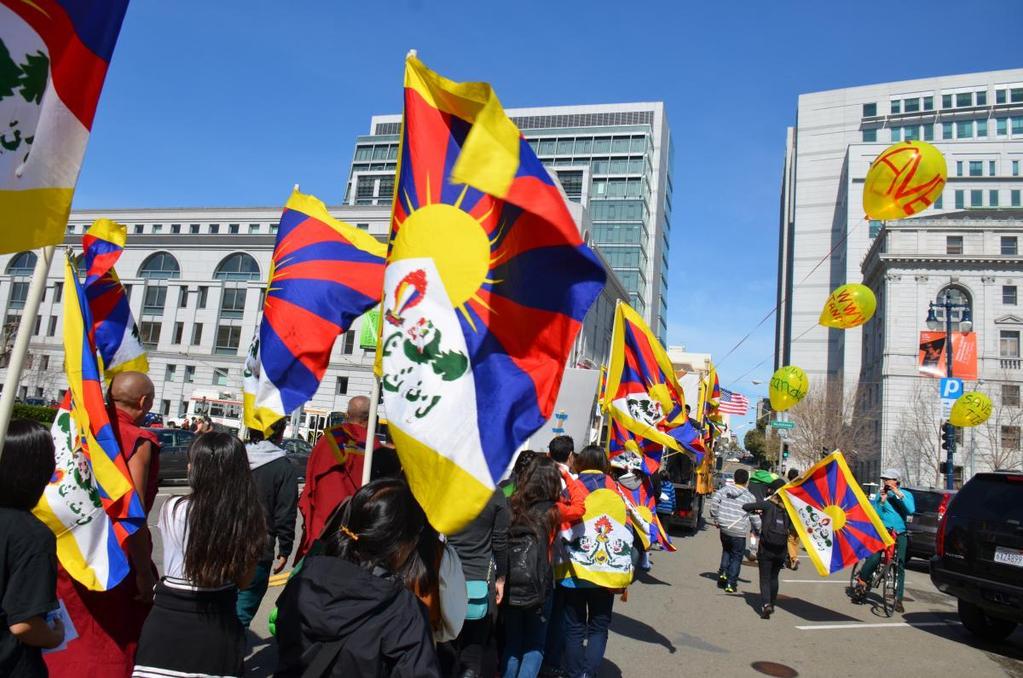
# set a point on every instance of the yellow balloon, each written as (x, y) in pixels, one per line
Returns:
(788, 386)
(905, 179)
(849, 306)
(970, 409)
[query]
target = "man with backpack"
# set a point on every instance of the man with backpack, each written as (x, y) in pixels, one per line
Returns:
(775, 528)
(726, 510)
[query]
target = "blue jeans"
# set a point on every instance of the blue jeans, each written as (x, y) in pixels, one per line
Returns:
(587, 618)
(525, 634)
(249, 598)
(731, 557)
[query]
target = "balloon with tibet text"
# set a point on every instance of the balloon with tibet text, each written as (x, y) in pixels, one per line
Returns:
(788, 386)
(905, 179)
(970, 409)
(849, 306)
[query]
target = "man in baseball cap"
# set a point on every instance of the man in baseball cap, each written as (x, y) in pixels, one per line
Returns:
(894, 505)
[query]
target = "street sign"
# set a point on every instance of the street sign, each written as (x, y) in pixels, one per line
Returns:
(949, 389)
(783, 424)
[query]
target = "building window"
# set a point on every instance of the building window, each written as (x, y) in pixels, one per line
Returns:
(1009, 295)
(182, 297)
(58, 291)
(1009, 245)
(964, 99)
(947, 130)
(154, 299)
(149, 333)
(179, 332)
(960, 200)
(22, 264)
(19, 295)
(953, 244)
(253, 229)
(51, 329)
(896, 106)
(959, 168)
(214, 229)
(999, 96)
(896, 134)
(228, 339)
(991, 168)
(1015, 168)
(1016, 95)
(982, 128)
(203, 293)
(976, 198)
(874, 226)
(169, 372)
(220, 376)
(870, 135)
(992, 197)
(939, 202)
(189, 374)
(193, 229)
(45, 363)
(946, 101)
(1010, 438)
(1001, 126)
(1014, 197)
(232, 303)
(233, 228)
(182, 408)
(197, 334)
(138, 229)
(869, 110)
(1010, 395)
(348, 344)
(238, 266)
(1008, 344)
(175, 228)
(982, 98)
(1017, 126)
(928, 103)
(341, 386)
(38, 325)
(911, 105)
(964, 129)
(160, 266)
(928, 132)
(976, 168)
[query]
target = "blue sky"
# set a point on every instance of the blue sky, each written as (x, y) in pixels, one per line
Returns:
(231, 103)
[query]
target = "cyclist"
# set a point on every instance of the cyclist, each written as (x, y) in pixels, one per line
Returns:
(894, 505)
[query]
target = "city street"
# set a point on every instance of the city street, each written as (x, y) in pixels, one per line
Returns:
(676, 622)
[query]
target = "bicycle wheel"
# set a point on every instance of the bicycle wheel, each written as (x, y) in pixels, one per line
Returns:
(888, 583)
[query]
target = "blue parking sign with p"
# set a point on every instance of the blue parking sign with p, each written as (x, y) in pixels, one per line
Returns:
(951, 388)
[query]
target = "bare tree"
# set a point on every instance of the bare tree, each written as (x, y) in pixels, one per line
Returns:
(988, 442)
(827, 419)
(915, 444)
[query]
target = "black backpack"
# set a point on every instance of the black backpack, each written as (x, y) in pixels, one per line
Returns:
(530, 577)
(774, 525)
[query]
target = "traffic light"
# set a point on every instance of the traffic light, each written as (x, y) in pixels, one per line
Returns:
(948, 436)
(785, 451)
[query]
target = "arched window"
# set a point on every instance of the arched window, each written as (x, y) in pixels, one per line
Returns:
(161, 265)
(22, 264)
(238, 266)
(957, 295)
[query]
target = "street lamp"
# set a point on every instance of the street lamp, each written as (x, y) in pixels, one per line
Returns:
(966, 325)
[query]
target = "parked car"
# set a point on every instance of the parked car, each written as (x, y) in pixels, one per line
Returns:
(174, 444)
(298, 450)
(979, 553)
(922, 526)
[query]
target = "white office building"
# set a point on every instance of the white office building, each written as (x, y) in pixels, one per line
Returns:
(195, 279)
(975, 256)
(976, 120)
(615, 159)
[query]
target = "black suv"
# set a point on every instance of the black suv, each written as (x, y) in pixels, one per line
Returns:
(979, 556)
(922, 526)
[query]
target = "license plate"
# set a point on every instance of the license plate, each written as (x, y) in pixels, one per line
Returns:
(1012, 557)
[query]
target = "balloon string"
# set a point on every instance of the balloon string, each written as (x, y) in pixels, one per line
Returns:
(784, 299)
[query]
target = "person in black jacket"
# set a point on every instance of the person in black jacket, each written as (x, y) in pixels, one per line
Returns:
(775, 527)
(277, 483)
(347, 612)
(483, 549)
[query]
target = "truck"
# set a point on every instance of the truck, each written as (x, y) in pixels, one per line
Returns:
(684, 505)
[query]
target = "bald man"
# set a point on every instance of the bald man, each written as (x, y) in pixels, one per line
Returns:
(109, 622)
(333, 472)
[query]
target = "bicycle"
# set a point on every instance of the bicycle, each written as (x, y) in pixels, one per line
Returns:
(885, 578)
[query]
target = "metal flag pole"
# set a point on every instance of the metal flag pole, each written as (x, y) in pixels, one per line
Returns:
(371, 429)
(20, 350)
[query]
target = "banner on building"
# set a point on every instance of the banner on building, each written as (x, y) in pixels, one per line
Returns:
(369, 329)
(933, 354)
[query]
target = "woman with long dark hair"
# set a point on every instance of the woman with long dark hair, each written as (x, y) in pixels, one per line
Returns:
(212, 540)
(537, 511)
(28, 553)
(349, 612)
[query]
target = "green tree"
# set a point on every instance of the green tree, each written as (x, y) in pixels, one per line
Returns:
(35, 72)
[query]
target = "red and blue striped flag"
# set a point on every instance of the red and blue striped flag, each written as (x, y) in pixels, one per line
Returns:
(325, 274)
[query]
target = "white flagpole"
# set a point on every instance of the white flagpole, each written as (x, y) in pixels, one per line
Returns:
(20, 350)
(371, 429)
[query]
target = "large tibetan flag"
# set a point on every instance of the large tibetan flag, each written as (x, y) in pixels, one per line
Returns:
(835, 522)
(53, 60)
(691, 439)
(90, 504)
(486, 287)
(642, 393)
(621, 442)
(324, 274)
(113, 331)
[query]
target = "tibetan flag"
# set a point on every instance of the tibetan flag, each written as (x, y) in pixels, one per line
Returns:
(54, 56)
(114, 332)
(836, 523)
(642, 497)
(90, 504)
(691, 440)
(642, 393)
(487, 284)
(621, 442)
(324, 274)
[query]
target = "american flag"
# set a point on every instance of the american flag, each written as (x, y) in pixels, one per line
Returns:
(732, 403)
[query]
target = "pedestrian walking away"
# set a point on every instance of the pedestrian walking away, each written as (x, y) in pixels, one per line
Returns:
(775, 530)
(735, 523)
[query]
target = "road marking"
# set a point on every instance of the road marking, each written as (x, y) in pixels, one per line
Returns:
(889, 625)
